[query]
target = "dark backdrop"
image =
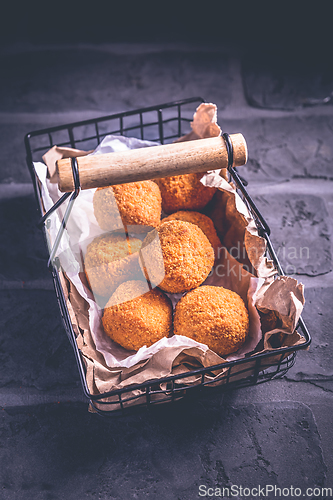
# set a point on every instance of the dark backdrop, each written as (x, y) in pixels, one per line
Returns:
(290, 25)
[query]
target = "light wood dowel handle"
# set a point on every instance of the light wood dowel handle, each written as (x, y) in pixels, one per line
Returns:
(151, 162)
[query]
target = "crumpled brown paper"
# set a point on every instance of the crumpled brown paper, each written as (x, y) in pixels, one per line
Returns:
(57, 153)
(236, 227)
(251, 275)
(204, 124)
(285, 298)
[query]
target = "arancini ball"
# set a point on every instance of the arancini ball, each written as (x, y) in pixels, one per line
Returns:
(140, 321)
(136, 204)
(184, 192)
(177, 256)
(111, 259)
(214, 316)
(205, 223)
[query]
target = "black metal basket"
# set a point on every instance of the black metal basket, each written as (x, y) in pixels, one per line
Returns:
(162, 123)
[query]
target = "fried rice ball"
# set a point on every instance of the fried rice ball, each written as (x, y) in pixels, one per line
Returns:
(110, 260)
(205, 223)
(140, 321)
(213, 316)
(184, 192)
(177, 256)
(139, 204)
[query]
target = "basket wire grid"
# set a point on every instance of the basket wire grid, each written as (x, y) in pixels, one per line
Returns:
(162, 123)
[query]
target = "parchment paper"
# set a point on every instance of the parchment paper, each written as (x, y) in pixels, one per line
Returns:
(251, 275)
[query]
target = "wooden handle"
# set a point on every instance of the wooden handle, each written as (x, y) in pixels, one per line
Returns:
(151, 162)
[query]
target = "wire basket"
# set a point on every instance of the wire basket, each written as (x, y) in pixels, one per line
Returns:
(163, 124)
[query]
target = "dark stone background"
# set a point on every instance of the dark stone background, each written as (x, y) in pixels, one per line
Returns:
(268, 68)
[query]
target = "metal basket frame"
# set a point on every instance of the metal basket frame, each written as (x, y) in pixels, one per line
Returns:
(251, 370)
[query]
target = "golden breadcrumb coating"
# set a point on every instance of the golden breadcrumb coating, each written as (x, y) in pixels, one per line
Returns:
(184, 192)
(205, 223)
(213, 316)
(138, 203)
(110, 260)
(177, 256)
(138, 322)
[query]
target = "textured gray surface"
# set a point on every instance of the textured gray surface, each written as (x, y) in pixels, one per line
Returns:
(316, 365)
(59, 451)
(300, 231)
(23, 254)
(286, 81)
(287, 145)
(278, 433)
(54, 80)
(34, 349)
